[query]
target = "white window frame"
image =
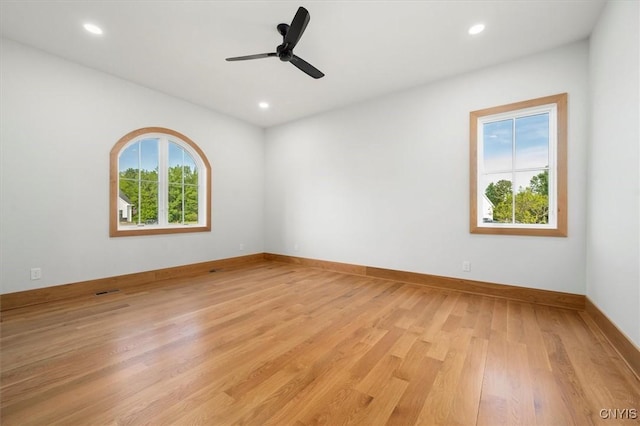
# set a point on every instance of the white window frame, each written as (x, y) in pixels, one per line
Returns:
(555, 106)
(164, 137)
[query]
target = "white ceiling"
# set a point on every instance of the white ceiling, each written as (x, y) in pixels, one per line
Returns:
(365, 48)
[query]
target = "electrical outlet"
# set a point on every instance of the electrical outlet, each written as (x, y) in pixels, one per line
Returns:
(36, 273)
(241, 247)
(466, 266)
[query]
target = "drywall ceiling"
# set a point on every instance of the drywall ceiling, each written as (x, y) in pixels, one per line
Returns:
(365, 48)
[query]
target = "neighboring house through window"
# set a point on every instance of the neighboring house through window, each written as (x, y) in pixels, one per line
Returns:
(124, 207)
(518, 164)
(160, 184)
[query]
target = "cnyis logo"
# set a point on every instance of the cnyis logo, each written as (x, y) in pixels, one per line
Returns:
(619, 413)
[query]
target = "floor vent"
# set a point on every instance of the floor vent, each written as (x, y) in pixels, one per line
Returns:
(100, 293)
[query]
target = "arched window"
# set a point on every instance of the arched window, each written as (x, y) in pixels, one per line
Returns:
(160, 184)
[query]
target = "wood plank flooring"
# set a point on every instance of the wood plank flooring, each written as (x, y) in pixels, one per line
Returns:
(279, 344)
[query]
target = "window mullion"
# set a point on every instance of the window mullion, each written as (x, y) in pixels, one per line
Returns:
(139, 182)
(513, 171)
(201, 193)
(481, 171)
(182, 185)
(552, 182)
(163, 189)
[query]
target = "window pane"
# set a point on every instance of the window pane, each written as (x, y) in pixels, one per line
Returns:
(148, 202)
(176, 198)
(181, 165)
(532, 141)
(191, 204)
(532, 198)
(183, 204)
(176, 160)
(149, 155)
(498, 145)
(128, 202)
(190, 170)
(128, 161)
(497, 200)
(183, 186)
(138, 183)
(144, 152)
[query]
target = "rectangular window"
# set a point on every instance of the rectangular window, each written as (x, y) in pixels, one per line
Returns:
(518, 167)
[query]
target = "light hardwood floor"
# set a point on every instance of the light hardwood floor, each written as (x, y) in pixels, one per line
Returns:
(279, 344)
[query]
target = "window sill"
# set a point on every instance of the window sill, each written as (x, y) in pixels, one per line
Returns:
(510, 230)
(156, 230)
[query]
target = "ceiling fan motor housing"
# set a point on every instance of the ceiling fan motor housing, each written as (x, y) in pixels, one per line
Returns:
(283, 52)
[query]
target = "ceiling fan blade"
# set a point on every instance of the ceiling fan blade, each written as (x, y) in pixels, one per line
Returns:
(306, 67)
(297, 27)
(258, 56)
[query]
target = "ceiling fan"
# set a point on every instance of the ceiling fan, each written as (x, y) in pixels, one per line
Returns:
(290, 36)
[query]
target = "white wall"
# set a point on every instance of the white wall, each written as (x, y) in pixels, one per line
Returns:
(59, 122)
(613, 230)
(386, 183)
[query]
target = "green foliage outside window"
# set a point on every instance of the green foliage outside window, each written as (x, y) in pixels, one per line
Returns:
(141, 189)
(531, 203)
(183, 195)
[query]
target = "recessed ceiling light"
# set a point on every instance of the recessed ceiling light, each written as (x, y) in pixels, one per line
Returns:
(263, 105)
(476, 29)
(93, 29)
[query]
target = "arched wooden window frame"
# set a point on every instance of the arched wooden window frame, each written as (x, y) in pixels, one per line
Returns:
(114, 230)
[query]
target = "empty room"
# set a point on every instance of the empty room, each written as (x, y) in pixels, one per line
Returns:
(320, 212)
